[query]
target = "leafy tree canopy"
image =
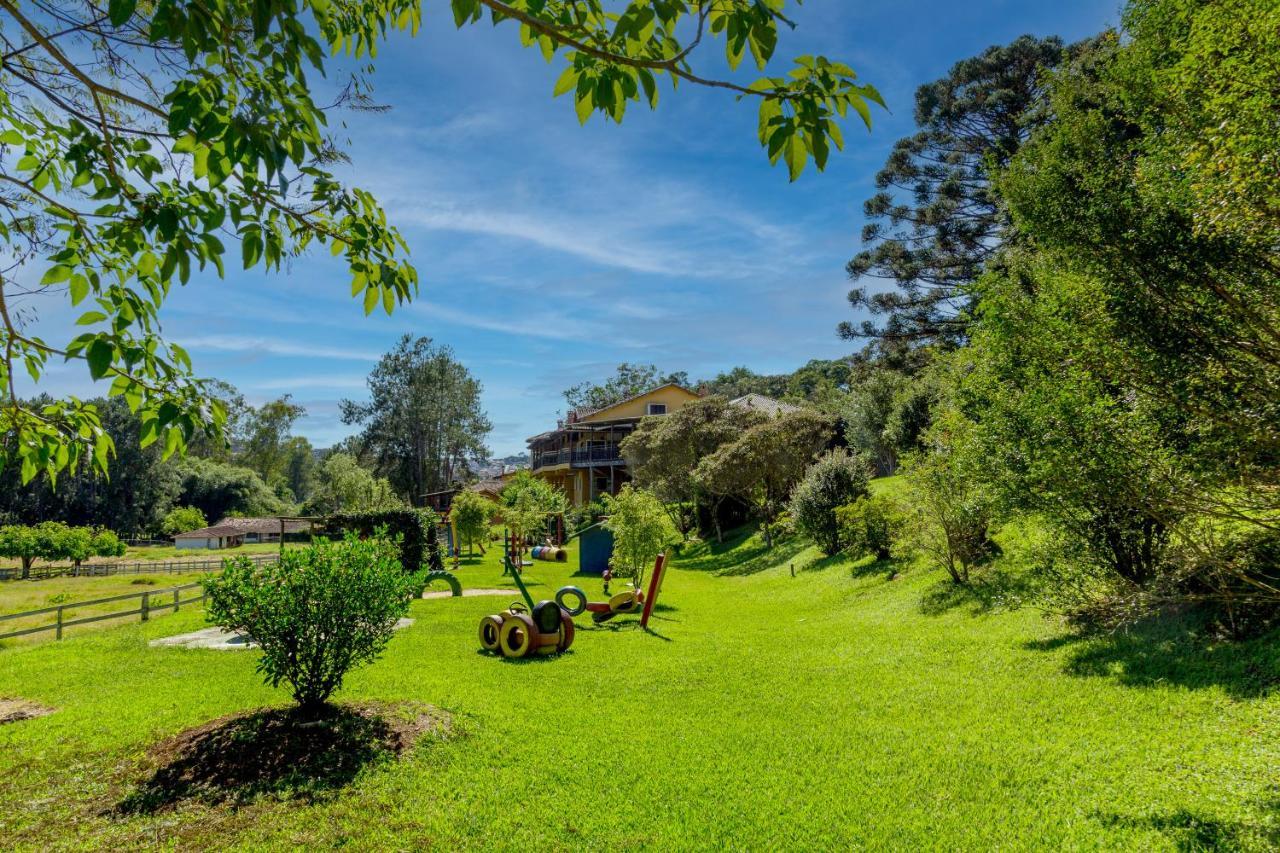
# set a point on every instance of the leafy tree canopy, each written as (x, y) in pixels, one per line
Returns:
(139, 139)
(628, 381)
(422, 426)
(181, 519)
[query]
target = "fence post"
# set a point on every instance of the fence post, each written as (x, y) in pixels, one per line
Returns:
(175, 601)
(146, 606)
(59, 635)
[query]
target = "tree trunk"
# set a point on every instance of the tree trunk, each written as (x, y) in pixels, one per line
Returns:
(26, 567)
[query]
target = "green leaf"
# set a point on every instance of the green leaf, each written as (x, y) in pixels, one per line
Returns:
(91, 317)
(56, 274)
(567, 81)
(120, 11)
(370, 299)
(796, 155)
(79, 288)
(100, 356)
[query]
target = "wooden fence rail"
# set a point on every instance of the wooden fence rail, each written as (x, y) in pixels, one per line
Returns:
(138, 567)
(152, 600)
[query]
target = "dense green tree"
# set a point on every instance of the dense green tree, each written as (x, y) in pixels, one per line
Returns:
(953, 509)
(181, 519)
(219, 490)
(300, 468)
(935, 222)
(139, 135)
(471, 515)
(662, 452)
(343, 485)
(422, 426)
(866, 415)
(1061, 436)
(265, 446)
(765, 463)
(132, 501)
(54, 541)
(641, 531)
(1193, 309)
(836, 479)
(629, 380)
(742, 380)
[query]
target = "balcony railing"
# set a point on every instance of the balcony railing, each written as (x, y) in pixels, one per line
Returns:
(600, 454)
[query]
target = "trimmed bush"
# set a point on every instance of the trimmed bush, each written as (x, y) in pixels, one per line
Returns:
(871, 525)
(836, 479)
(414, 529)
(317, 613)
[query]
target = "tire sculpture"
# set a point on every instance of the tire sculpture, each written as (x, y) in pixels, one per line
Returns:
(447, 577)
(519, 633)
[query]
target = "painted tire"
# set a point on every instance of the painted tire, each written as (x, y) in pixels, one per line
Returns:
(623, 602)
(569, 591)
(546, 615)
(518, 636)
(566, 632)
(448, 578)
(490, 628)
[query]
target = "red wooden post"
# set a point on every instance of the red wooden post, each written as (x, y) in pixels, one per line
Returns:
(655, 583)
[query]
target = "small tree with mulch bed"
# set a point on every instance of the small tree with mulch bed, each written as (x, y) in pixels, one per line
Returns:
(317, 613)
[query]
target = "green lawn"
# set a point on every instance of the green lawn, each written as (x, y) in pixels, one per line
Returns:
(835, 709)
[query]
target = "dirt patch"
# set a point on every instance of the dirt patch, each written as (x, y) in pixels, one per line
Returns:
(16, 710)
(280, 751)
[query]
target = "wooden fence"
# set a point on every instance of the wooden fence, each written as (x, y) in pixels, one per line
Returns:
(153, 600)
(138, 567)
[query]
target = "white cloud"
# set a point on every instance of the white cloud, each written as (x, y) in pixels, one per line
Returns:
(274, 346)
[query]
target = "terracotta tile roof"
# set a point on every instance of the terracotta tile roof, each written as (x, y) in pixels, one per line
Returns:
(264, 525)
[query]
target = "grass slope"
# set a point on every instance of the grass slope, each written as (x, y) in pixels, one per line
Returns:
(833, 709)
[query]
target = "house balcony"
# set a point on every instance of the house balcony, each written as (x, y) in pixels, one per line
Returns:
(584, 457)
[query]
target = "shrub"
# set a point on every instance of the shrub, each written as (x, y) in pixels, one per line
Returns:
(953, 512)
(181, 519)
(836, 479)
(317, 613)
(414, 529)
(872, 524)
(641, 529)
(471, 514)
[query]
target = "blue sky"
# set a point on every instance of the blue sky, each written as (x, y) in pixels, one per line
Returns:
(551, 252)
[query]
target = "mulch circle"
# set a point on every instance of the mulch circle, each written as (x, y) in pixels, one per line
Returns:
(17, 710)
(278, 751)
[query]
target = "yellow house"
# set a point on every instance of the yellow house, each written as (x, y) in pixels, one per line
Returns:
(581, 456)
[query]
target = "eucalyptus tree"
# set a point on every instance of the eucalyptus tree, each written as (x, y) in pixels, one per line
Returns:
(139, 139)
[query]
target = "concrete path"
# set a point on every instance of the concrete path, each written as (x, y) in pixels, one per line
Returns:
(218, 638)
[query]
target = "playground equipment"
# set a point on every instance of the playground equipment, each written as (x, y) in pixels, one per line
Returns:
(447, 577)
(517, 632)
(549, 553)
(525, 629)
(628, 601)
(546, 627)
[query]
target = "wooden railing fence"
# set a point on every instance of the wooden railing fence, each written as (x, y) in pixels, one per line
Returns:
(152, 600)
(137, 567)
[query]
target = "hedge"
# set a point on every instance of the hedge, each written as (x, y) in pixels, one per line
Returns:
(416, 529)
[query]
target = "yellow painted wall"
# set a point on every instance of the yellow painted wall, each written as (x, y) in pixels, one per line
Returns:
(673, 395)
